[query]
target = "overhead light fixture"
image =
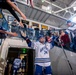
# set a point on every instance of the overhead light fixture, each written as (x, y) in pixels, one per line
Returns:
(74, 8)
(66, 11)
(43, 0)
(74, 19)
(48, 7)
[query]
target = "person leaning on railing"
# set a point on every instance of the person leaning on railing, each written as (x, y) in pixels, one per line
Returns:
(11, 7)
(64, 39)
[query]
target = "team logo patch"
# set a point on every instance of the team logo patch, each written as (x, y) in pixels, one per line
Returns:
(44, 49)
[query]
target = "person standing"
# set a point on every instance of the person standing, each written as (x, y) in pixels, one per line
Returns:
(16, 65)
(42, 58)
(31, 2)
(72, 34)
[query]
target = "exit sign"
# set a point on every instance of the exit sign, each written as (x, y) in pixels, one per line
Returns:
(24, 50)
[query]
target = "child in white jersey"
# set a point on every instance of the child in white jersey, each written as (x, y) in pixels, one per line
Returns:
(16, 65)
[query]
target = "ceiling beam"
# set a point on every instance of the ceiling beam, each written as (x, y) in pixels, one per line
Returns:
(44, 17)
(30, 13)
(72, 2)
(35, 14)
(62, 9)
(19, 1)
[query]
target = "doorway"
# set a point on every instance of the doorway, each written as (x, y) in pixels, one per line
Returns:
(26, 66)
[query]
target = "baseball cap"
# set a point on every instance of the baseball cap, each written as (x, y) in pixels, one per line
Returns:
(68, 21)
(40, 36)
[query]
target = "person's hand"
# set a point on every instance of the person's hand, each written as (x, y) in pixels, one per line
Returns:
(23, 34)
(49, 40)
(21, 24)
(14, 34)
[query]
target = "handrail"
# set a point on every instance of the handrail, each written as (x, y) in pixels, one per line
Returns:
(33, 34)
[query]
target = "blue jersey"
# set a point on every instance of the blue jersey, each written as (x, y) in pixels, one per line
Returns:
(17, 63)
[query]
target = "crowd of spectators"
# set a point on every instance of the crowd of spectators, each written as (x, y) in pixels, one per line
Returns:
(62, 37)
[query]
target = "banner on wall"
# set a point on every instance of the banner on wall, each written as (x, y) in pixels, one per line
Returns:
(44, 27)
(1, 16)
(25, 22)
(52, 29)
(35, 24)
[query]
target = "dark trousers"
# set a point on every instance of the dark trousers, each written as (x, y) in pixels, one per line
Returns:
(39, 70)
(67, 46)
(15, 71)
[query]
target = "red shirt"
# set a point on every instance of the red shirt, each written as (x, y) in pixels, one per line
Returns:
(65, 39)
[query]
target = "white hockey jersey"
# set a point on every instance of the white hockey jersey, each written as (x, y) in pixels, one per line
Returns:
(17, 63)
(42, 53)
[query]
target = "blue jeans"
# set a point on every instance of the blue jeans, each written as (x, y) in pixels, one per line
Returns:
(15, 71)
(39, 70)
